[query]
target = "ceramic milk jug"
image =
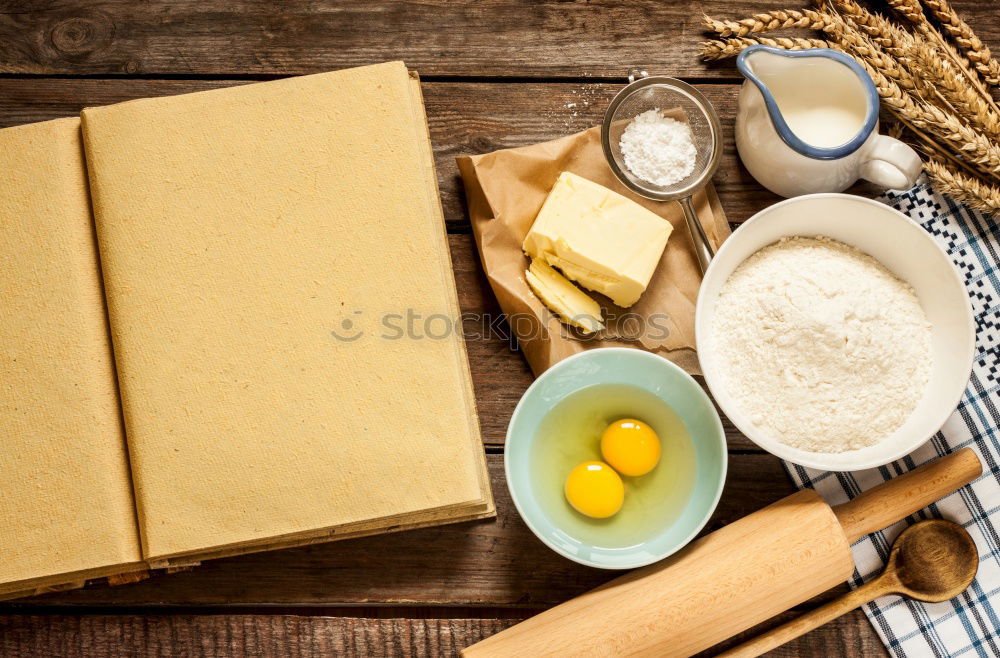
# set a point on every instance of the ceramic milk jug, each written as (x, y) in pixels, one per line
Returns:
(808, 122)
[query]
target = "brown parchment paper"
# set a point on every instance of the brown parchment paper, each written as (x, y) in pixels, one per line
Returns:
(505, 190)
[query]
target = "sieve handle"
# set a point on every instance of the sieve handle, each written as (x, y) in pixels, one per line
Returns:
(702, 249)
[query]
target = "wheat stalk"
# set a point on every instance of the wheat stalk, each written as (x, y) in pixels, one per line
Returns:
(962, 188)
(893, 39)
(860, 16)
(913, 12)
(930, 147)
(721, 49)
(976, 148)
(771, 20)
(910, 10)
(864, 47)
(894, 128)
(968, 72)
(962, 98)
(975, 50)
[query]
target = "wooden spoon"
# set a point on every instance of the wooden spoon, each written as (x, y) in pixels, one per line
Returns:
(930, 561)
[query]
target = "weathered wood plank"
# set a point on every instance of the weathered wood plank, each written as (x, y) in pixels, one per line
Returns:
(440, 37)
(101, 636)
(484, 563)
(464, 118)
(494, 37)
(244, 635)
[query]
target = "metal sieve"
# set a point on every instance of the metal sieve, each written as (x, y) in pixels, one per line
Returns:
(684, 102)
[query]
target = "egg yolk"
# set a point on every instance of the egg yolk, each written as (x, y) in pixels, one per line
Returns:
(631, 447)
(595, 490)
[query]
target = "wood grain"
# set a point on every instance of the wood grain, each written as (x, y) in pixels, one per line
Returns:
(103, 636)
(487, 38)
(503, 38)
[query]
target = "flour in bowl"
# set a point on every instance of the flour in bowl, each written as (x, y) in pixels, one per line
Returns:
(820, 345)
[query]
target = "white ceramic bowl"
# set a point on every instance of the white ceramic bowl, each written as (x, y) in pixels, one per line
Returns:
(904, 248)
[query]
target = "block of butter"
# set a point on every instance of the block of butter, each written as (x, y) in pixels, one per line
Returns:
(598, 238)
(564, 299)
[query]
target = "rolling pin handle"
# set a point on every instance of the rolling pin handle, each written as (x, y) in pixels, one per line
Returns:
(881, 506)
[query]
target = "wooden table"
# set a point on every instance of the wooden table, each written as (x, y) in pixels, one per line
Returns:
(497, 73)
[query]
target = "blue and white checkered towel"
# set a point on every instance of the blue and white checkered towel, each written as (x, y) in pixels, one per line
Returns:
(970, 624)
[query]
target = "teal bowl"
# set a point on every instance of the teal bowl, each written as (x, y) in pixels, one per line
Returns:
(633, 367)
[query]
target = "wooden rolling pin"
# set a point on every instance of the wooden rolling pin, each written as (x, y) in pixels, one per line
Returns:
(731, 579)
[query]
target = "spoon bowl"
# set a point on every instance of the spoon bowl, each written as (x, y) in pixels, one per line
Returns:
(933, 561)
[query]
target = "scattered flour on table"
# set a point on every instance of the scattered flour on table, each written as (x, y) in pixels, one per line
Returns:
(820, 345)
(657, 148)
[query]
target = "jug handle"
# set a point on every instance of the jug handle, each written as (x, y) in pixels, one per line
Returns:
(891, 164)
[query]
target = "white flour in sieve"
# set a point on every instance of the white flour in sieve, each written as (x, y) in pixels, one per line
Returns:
(657, 148)
(820, 345)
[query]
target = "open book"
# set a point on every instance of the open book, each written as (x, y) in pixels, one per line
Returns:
(207, 363)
